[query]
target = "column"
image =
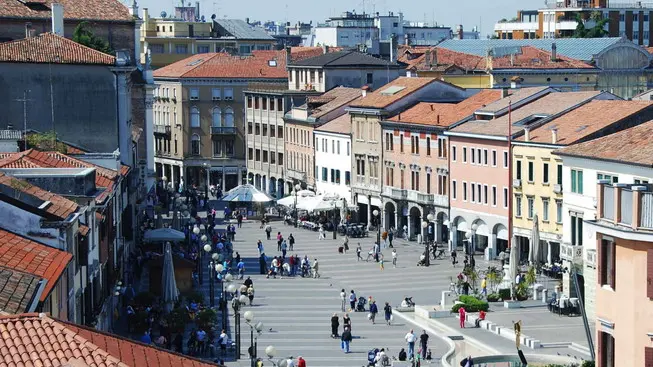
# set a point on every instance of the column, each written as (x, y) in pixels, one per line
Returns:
(397, 209)
(369, 211)
(240, 175)
(548, 252)
(124, 116)
(453, 237)
(409, 226)
(149, 122)
(224, 180)
(491, 249)
(171, 179)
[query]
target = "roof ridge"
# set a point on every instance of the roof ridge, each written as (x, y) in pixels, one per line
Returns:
(215, 54)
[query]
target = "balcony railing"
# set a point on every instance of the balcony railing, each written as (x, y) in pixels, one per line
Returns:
(626, 205)
(590, 258)
(419, 197)
(223, 130)
(394, 193)
(557, 188)
(646, 206)
(441, 200)
(296, 175)
(571, 253)
(162, 129)
(516, 183)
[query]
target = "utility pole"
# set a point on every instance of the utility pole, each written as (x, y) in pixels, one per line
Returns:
(24, 100)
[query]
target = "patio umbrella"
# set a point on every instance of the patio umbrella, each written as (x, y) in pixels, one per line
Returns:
(169, 292)
(535, 241)
(163, 235)
(247, 194)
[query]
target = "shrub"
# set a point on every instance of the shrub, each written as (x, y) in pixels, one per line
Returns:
(144, 299)
(504, 293)
(206, 318)
(493, 297)
(471, 304)
(193, 296)
(177, 318)
(588, 364)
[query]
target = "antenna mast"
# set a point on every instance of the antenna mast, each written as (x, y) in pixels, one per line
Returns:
(24, 100)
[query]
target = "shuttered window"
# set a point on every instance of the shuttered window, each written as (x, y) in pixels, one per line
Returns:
(648, 357)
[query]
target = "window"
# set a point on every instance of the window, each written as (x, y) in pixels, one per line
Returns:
(454, 191)
(505, 197)
(545, 210)
(576, 229)
(280, 132)
(519, 170)
(370, 78)
(494, 196)
(607, 264)
(195, 145)
(494, 158)
(531, 171)
(347, 178)
(611, 178)
(194, 117)
(333, 146)
(577, 181)
(250, 154)
(545, 173)
(273, 157)
(401, 143)
(485, 194)
(505, 159)
(442, 184)
(181, 49)
(272, 131)
(272, 100)
(428, 182)
(202, 49)
(347, 149)
(280, 159)
(317, 145)
(518, 206)
(337, 176)
(264, 104)
(464, 191)
(414, 180)
(217, 117)
(265, 156)
(453, 153)
(389, 143)
(414, 144)
(485, 157)
(464, 154)
(228, 94)
(156, 49)
(531, 207)
(478, 156)
(639, 181)
(607, 350)
(333, 175)
(559, 171)
(265, 130)
(216, 94)
(194, 94)
(635, 19)
(229, 117)
(338, 147)
(442, 148)
(473, 154)
(558, 211)
(428, 146)
(473, 190)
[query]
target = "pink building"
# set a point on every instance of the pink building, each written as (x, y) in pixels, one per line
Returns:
(415, 163)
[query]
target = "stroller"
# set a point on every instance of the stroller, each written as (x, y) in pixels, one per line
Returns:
(360, 306)
(371, 356)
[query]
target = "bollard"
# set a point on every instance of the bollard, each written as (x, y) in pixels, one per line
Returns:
(544, 291)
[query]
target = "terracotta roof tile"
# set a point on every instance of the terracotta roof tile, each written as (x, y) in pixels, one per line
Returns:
(60, 206)
(332, 100)
(111, 10)
(445, 114)
(379, 99)
(631, 146)
(516, 95)
(51, 48)
(445, 57)
(548, 105)
(586, 120)
(340, 125)
(24, 255)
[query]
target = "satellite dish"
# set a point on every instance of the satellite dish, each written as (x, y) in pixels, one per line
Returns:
(164, 14)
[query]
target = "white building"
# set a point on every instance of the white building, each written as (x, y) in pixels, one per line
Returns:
(349, 30)
(607, 158)
(334, 158)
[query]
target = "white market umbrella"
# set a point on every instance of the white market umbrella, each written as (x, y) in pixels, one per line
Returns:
(514, 259)
(288, 201)
(535, 241)
(246, 194)
(164, 235)
(169, 291)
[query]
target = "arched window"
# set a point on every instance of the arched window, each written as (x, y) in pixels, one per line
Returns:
(229, 117)
(217, 117)
(195, 144)
(194, 117)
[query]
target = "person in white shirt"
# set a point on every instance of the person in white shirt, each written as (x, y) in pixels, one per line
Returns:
(316, 274)
(290, 362)
(343, 299)
(394, 258)
(410, 339)
(224, 339)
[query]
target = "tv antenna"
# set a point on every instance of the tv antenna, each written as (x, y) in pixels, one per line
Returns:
(24, 100)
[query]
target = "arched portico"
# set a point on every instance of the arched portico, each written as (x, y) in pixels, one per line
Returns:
(390, 215)
(414, 222)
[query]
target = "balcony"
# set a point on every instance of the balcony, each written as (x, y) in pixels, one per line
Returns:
(571, 253)
(441, 201)
(590, 258)
(296, 175)
(223, 130)
(394, 193)
(626, 205)
(516, 26)
(419, 197)
(516, 183)
(162, 129)
(557, 188)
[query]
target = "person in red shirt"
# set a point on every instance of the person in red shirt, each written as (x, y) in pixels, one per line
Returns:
(301, 362)
(481, 317)
(461, 312)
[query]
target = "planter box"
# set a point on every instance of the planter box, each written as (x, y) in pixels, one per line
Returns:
(511, 304)
(429, 313)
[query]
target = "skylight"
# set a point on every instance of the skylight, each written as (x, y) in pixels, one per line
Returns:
(195, 62)
(272, 63)
(391, 91)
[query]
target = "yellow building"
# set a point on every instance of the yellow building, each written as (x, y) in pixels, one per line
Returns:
(538, 174)
(172, 39)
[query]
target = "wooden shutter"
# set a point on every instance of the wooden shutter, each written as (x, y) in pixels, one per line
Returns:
(601, 256)
(613, 261)
(649, 274)
(599, 350)
(648, 357)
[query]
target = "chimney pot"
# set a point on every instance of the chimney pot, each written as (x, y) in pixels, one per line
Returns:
(554, 136)
(57, 19)
(554, 52)
(364, 90)
(504, 92)
(434, 56)
(427, 58)
(28, 29)
(438, 118)
(527, 134)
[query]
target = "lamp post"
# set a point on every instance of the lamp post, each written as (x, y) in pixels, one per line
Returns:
(271, 352)
(206, 167)
(297, 188)
(196, 231)
(335, 224)
(231, 289)
(249, 319)
(237, 304)
(378, 226)
(427, 252)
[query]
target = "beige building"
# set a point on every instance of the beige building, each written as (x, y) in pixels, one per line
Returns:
(300, 123)
(199, 127)
(366, 114)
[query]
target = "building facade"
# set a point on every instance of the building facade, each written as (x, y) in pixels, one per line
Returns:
(199, 125)
(333, 158)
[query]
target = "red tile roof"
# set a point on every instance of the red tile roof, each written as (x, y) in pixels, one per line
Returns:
(445, 114)
(631, 146)
(25, 255)
(51, 48)
(379, 99)
(535, 58)
(339, 125)
(60, 206)
(38, 340)
(111, 10)
(332, 100)
(586, 120)
(445, 57)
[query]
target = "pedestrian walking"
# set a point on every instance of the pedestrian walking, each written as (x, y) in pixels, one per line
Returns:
(301, 362)
(279, 239)
(461, 313)
(391, 236)
(321, 235)
(291, 242)
(453, 258)
(410, 340)
(268, 231)
(290, 362)
(284, 248)
(345, 243)
(484, 286)
(384, 237)
(224, 340)
(381, 262)
(345, 339)
(352, 300)
(259, 245)
(241, 269)
(343, 300)
(250, 294)
(316, 269)
(423, 342)
(387, 310)
(262, 264)
(358, 252)
(377, 251)
(394, 258)
(335, 324)
(346, 321)
(373, 311)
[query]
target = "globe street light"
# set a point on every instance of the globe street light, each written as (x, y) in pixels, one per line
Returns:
(430, 219)
(258, 327)
(427, 250)
(378, 227)
(297, 188)
(196, 230)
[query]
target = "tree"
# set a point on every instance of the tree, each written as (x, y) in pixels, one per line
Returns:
(597, 31)
(46, 141)
(83, 35)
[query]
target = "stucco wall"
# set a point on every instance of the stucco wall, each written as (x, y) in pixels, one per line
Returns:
(333, 160)
(85, 102)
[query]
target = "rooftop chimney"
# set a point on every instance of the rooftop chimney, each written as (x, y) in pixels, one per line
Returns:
(437, 122)
(554, 53)
(434, 56)
(197, 11)
(527, 134)
(288, 56)
(29, 32)
(427, 59)
(325, 49)
(364, 90)
(57, 19)
(133, 9)
(406, 40)
(554, 136)
(459, 29)
(505, 92)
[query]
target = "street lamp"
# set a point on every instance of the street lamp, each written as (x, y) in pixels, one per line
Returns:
(271, 352)
(430, 219)
(236, 304)
(297, 188)
(249, 319)
(378, 226)
(335, 224)
(206, 184)
(427, 252)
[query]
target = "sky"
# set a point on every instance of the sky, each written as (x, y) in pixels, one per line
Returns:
(469, 13)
